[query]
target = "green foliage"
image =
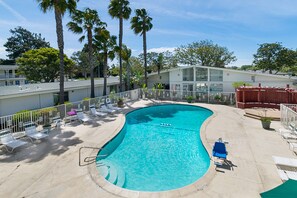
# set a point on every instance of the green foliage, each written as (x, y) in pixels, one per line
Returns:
(189, 99)
(42, 64)
(22, 41)
(274, 57)
(159, 61)
(158, 86)
(248, 67)
(240, 83)
(86, 99)
(204, 53)
(7, 62)
(217, 97)
(266, 119)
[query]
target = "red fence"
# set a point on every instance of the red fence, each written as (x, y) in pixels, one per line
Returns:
(248, 97)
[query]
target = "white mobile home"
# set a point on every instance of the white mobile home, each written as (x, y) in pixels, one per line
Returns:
(212, 79)
(35, 96)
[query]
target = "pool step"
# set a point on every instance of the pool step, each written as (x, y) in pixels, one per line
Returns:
(112, 172)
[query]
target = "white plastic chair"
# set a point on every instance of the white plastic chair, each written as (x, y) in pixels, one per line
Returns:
(96, 113)
(10, 142)
(82, 117)
(32, 133)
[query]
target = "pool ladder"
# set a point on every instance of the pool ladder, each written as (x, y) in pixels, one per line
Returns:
(90, 159)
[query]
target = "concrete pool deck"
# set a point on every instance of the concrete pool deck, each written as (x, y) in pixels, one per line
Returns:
(51, 169)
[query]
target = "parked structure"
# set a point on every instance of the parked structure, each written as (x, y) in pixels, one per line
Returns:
(9, 76)
(36, 96)
(214, 80)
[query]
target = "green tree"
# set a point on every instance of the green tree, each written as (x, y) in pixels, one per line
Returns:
(126, 55)
(87, 21)
(204, 53)
(59, 7)
(274, 57)
(23, 40)
(42, 64)
(247, 67)
(105, 45)
(141, 23)
(81, 60)
(120, 9)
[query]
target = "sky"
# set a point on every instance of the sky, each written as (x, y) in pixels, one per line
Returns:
(239, 25)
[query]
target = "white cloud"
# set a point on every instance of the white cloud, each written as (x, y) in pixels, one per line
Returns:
(13, 12)
(3, 53)
(162, 49)
(69, 51)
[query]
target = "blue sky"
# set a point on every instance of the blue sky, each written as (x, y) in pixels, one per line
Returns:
(238, 25)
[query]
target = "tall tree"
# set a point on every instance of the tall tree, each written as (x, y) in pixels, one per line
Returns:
(60, 7)
(120, 9)
(126, 54)
(23, 40)
(42, 64)
(81, 60)
(273, 57)
(86, 20)
(141, 23)
(105, 45)
(204, 53)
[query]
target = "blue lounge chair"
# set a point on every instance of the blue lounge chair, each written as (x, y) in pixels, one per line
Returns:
(219, 150)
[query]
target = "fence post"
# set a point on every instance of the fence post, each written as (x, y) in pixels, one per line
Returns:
(65, 113)
(31, 116)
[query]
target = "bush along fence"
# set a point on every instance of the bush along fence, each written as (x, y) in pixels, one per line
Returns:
(45, 117)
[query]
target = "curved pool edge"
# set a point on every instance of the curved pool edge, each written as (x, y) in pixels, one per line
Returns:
(198, 185)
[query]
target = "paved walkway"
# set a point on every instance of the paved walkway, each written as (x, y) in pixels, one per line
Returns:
(50, 168)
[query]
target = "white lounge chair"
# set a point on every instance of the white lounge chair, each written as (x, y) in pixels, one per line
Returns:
(290, 130)
(283, 161)
(10, 142)
(96, 113)
(104, 109)
(110, 106)
(286, 175)
(83, 117)
(32, 133)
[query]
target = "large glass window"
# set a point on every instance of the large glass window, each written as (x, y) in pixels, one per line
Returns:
(216, 87)
(188, 74)
(201, 74)
(201, 87)
(216, 75)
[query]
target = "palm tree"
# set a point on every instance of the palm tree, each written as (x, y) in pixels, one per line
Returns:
(105, 45)
(140, 24)
(120, 9)
(86, 20)
(126, 55)
(59, 7)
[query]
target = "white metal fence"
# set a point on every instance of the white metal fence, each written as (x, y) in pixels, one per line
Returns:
(17, 122)
(288, 114)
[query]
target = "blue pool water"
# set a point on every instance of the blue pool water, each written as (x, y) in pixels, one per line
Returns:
(159, 148)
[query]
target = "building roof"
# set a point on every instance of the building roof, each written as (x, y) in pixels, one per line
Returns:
(40, 88)
(225, 69)
(5, 67)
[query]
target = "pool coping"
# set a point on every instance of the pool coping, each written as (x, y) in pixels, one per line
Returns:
(198, 185)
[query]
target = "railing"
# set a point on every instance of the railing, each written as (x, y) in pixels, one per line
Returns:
(288, 114)
(227, 98)
(17, 122)
(46, 116)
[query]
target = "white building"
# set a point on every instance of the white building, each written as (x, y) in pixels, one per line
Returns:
(9, 76)
(211, 79)
(36, 96)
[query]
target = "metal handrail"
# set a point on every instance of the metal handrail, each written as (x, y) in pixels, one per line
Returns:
(87, 159)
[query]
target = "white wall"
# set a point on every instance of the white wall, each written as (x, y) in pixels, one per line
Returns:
(156, 79)
(13, 105)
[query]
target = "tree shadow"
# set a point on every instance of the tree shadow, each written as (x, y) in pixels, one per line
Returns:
(56, 144)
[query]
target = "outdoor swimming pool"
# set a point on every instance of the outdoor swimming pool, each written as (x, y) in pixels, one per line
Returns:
(159, 148)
